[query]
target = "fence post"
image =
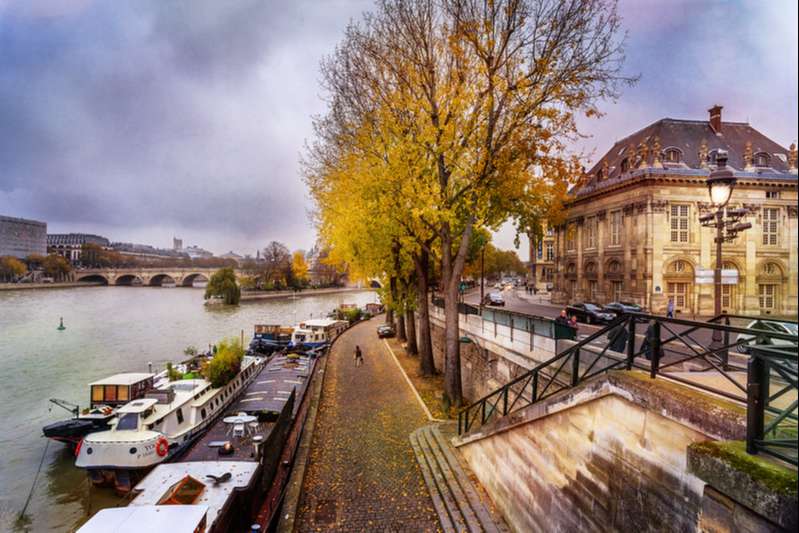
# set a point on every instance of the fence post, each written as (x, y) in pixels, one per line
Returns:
(505, 401)
(535, 388)
(755, 406)
(483, 412)
(575, 367)
(631, 344)
(725, 355)
(654, 342)
(460, 419)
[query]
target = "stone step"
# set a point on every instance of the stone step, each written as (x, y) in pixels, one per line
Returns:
(455, 499)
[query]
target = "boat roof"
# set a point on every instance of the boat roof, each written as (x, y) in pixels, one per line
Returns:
(126, 378)
(320, 322)
(137, 518)
(137, 406)
(214, 497)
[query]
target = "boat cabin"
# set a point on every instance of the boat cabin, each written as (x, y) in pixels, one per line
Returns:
(120, 388)
(138, 518)
(318, 331)
(272, 332)
(130, 415)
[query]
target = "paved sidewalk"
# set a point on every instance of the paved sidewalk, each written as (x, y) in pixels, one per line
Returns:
(362, 474)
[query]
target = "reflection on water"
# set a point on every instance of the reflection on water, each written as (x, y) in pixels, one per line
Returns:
(108, 330)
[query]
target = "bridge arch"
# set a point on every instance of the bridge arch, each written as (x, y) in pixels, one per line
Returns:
(189, 279)
(159, 279)
(128, 279)
(92, 278)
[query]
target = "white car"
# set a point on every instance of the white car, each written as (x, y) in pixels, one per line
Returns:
(785, 328)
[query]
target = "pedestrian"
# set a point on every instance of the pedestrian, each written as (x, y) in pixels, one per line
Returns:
(670, 309)
(358, 356)
(562, 319)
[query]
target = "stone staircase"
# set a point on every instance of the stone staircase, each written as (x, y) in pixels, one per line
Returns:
(456, 500)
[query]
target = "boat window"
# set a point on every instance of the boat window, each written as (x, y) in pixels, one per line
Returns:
(180, 415)
(97, 393)
(203, 414)
(110, 393)
(122, 393)
(128, 421)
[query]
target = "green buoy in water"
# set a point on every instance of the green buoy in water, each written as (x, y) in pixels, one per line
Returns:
(61, 326)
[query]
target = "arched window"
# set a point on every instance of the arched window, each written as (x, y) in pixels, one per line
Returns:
(571, 269)
(672, 155)
(679, 267)
(590, 268)
(614, 267)
(762, 159)
(771, 269)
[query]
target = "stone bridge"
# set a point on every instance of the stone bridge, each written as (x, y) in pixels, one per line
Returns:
(150, 277)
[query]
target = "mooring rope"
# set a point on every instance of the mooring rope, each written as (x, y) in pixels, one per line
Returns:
(35, 479)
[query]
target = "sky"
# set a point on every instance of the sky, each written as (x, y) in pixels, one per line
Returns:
(141, 120)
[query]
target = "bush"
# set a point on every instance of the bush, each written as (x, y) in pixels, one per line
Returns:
(223, 284)
(226, 363)
(352, 315)
(172, 374)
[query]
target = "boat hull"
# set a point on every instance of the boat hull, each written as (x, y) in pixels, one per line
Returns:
(73, 430)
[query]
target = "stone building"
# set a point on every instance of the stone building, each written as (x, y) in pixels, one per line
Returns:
(542, 260)
(70, 245)
(20, 237)
(633, 234)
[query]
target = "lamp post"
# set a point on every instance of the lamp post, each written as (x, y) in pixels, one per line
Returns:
(727, 222)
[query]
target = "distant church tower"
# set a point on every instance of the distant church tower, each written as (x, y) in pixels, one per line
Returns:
(177, 244)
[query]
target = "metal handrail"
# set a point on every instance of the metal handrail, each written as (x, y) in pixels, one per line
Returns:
(775, 363)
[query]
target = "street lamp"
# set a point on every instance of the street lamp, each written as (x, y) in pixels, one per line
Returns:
(720, 185)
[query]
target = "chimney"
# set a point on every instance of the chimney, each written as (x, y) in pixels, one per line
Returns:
(715, 118)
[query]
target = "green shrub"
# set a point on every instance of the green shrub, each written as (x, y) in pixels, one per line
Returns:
(226, 363)
(352, 315)
(223, 284)
(172, 374)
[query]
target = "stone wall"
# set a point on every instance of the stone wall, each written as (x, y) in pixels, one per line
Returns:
(599, 462)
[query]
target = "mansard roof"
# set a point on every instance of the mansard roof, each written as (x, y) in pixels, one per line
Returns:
(690, 138)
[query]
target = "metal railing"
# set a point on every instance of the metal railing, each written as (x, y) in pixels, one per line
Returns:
(679, 350)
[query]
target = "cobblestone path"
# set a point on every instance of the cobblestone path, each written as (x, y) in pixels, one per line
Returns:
(362, 474)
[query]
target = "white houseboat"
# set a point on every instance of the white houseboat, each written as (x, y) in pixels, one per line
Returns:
(157, 427)
(317, 332)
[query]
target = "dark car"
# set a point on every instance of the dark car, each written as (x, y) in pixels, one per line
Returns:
(621, 308)
(385, 331)
(590, 313)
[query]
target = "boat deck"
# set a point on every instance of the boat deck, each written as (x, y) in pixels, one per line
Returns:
(264, 398)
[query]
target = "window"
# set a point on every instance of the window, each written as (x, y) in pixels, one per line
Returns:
(128, 421)
(110, 393)
(768, 295)
(762, 159)
(672, 155)
(616, 288)
(726, 296)
(615, 228)
(571, 233)
(772, 194)
(572, 285)
(550, 251)
(203, 414)
(770, 269)
(122, 393)
(97, 393)
(679, 223)
(180, 415)
(678, 266)
(590, 232)
(678, 293)
(770, 225)
(592, 290)
(625, 165)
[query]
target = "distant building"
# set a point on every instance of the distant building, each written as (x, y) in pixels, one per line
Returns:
(542, 260)
(69, 245)
(20, 237)
(195, 252)
(177, 244)
(632, 230)
(234, 256)
(145, 252)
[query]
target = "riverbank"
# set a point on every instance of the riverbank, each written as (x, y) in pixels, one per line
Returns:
(259, 296)
(31, 286)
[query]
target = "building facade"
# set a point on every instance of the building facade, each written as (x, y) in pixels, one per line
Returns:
(543, 268)
(21, 237)
(70, 245)
(632, 231)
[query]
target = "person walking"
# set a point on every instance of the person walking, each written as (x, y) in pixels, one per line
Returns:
(358, 356)
(670, 309)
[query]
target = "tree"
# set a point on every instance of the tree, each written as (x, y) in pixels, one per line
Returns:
(223, 284)
(56, 267)
(299, 269)
(276, 264)
(11, 268)
(478, 100)
(226, 363)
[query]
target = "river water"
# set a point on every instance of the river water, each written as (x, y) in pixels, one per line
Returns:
(108, 330)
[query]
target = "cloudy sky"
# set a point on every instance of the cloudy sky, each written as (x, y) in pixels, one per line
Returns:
(144, 119)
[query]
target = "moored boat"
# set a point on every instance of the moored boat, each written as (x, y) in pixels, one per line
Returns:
(158, 427)
(269, 338)
(106, 395)
(317, 332)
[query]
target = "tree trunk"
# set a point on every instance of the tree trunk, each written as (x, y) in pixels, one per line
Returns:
(452, 268)
(389, 316)
(401, 327)
(410, 327)
(426, 361)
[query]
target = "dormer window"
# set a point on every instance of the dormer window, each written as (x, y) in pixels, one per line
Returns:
(762, 159)
(625, 165)
(672, 155)
(600, 175)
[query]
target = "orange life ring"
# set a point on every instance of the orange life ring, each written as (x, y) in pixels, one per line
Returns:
(77, 448)
(162, 447)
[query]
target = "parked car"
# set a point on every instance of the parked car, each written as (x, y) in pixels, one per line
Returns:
(590, 313)
(773, 326)
(385, 330)
(494, 298)
(621, 308)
